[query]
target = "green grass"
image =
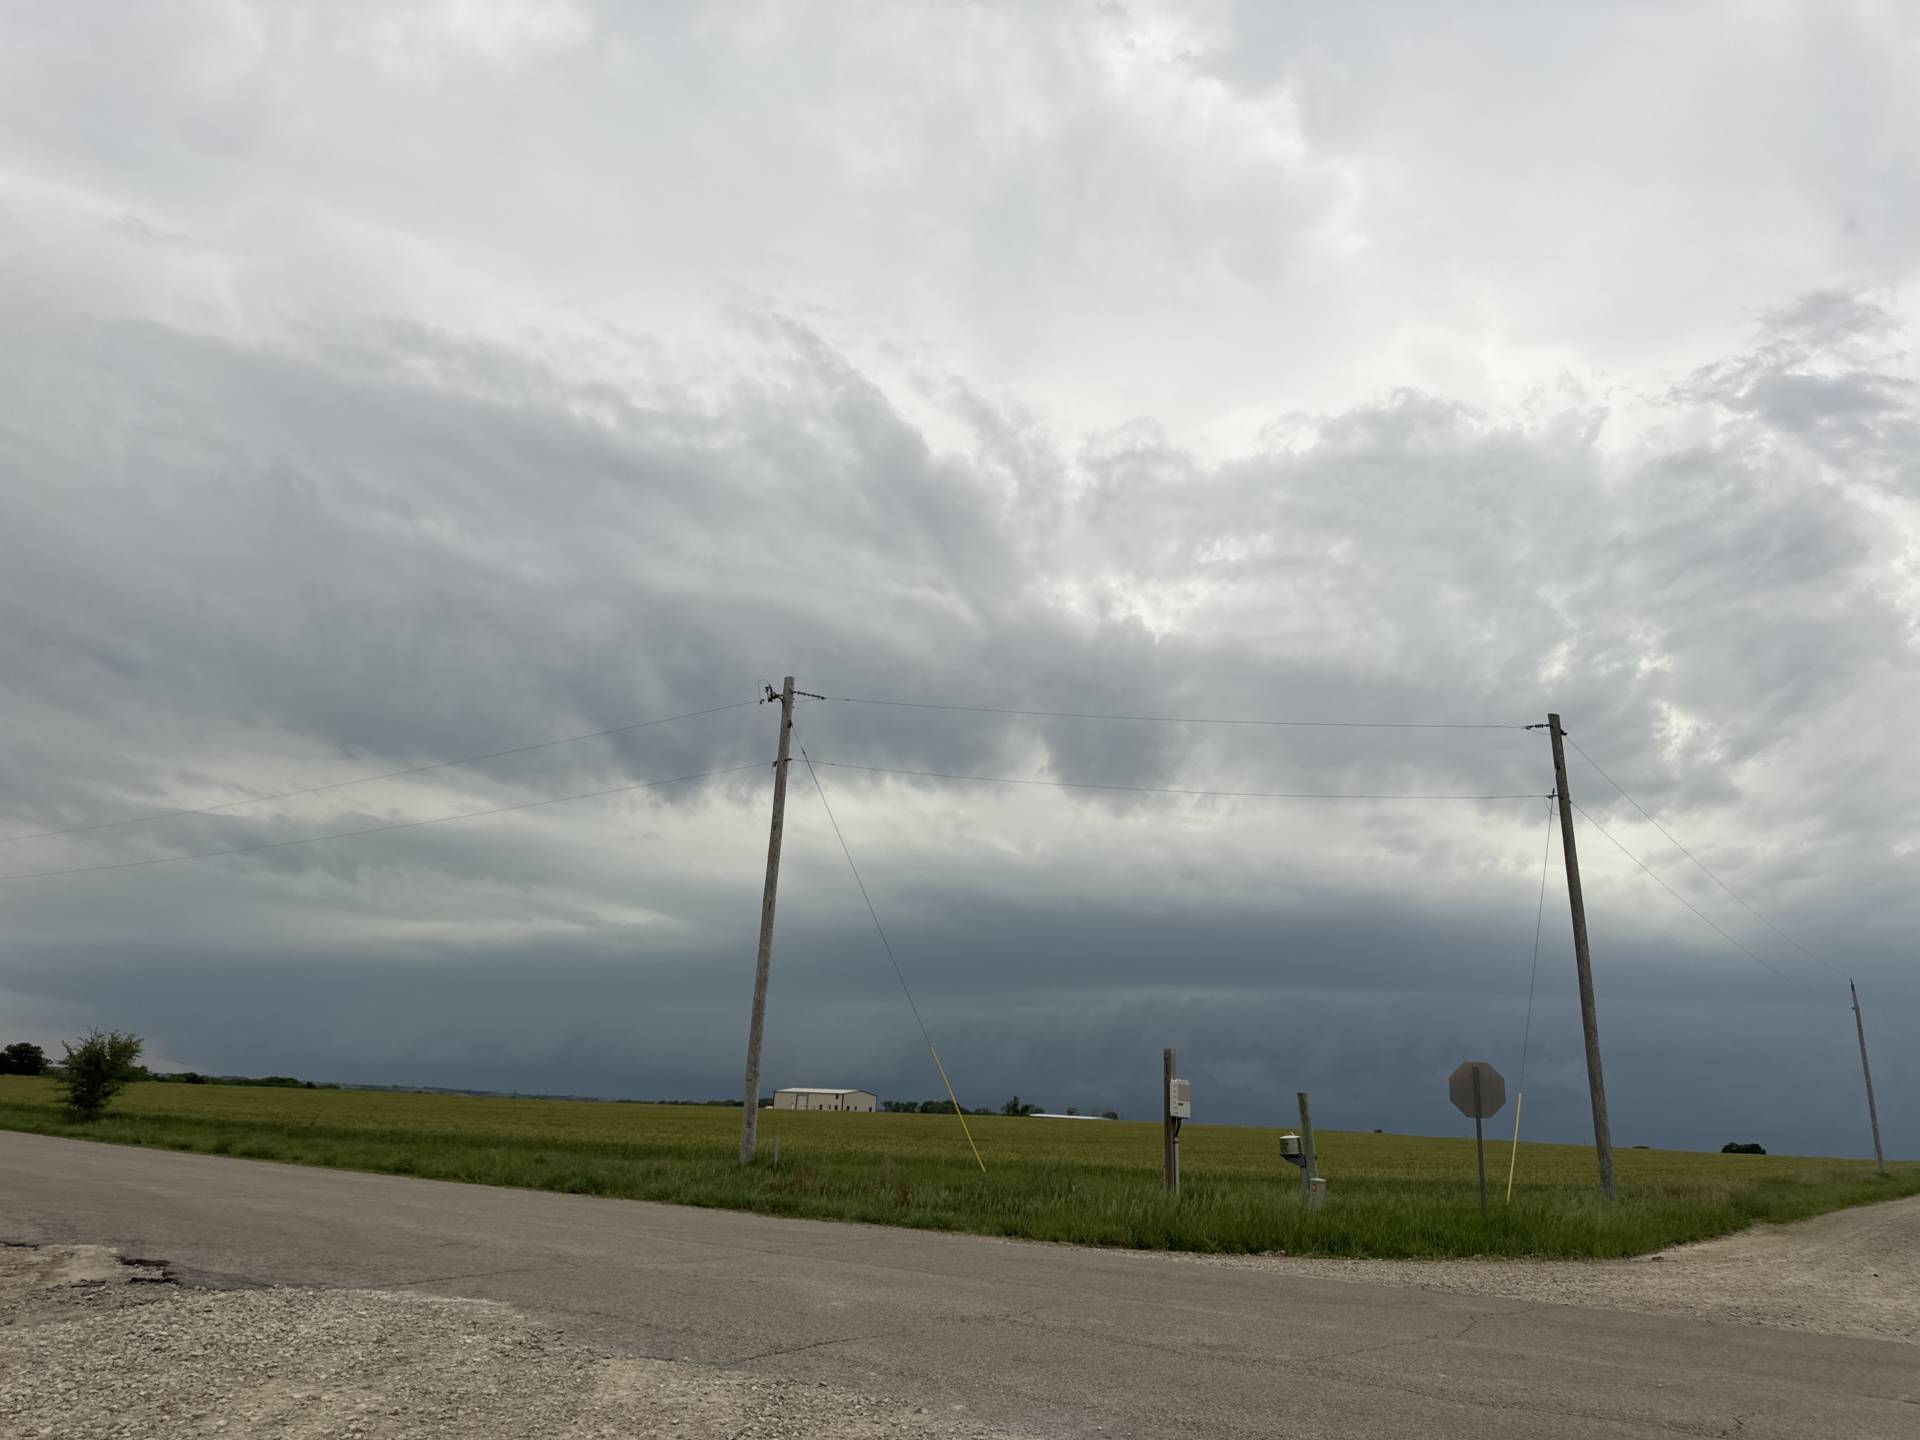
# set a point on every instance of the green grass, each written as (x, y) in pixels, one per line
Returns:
(1095, 1184)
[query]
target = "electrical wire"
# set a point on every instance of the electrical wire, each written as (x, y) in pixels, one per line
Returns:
(1731, 892)
(381, 829)
(369, 779)
(1533, 973)
(1526, 1032)
(1172, 719)
(887, 945)
(1164, 790)
(1707, 920)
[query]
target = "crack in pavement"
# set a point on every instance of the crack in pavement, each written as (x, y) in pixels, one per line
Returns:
(936, 1323)
(441, 1279)
(778, 1352)
(1440, 1336)
(1525, 1407)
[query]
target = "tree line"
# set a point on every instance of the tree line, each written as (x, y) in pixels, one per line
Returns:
(102, 1063)
(1015, 1106)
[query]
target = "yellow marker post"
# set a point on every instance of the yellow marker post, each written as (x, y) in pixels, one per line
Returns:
(1513, 1153)
(965, 1128)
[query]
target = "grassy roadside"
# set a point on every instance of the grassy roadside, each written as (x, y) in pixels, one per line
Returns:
(1391, 1195)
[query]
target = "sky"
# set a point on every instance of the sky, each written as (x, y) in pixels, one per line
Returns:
(387, 384)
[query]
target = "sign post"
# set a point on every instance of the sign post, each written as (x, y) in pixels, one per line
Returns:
(1476, 1089)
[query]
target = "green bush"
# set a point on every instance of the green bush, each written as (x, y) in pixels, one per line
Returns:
(96, 1070)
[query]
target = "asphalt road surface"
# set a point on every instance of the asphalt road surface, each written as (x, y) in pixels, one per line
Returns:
(1045, 1339)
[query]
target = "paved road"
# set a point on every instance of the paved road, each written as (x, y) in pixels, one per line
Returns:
(1044, 1339)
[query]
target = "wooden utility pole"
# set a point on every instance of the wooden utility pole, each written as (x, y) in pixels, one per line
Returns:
(1169, 1153)
(1583, 961)
(1873, 1115)
(1312, 1166)
(750, 1116)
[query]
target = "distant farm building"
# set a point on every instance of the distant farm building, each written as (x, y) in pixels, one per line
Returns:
(813, 1097)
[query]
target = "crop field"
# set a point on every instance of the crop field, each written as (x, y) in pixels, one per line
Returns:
(1090, 1183)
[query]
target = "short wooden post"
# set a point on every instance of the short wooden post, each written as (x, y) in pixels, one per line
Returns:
(1169, 1145)
(1312, 1166)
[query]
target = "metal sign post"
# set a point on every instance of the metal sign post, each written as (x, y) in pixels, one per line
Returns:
(1477, 1089)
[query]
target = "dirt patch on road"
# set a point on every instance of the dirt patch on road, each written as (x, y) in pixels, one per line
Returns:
(1854, 1272)
(90, 1350)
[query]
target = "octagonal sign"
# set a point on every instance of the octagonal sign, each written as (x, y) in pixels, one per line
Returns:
(1493, 1090)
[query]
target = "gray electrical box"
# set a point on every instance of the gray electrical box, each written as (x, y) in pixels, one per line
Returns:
(1180, 1100)
(1290, 1146)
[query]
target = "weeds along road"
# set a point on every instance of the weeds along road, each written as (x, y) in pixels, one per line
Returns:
(1046, 1340)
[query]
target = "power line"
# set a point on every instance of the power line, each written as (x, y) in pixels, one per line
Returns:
(1164, 790)
(887, 945)
(1533, 975)
(369, 779)
(1694, 858)
(1681, 898)
(1173, 719)
(382, 829)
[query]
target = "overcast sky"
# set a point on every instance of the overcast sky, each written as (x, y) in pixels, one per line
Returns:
(387, 383)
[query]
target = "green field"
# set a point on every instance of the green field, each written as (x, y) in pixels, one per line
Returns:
(1091, 1183)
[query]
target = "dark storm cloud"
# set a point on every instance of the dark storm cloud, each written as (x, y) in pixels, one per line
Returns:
(435, 549)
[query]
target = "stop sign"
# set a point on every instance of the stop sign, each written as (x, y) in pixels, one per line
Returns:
(1493, 1090)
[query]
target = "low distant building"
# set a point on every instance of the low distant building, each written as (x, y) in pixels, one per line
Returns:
(814, 1097)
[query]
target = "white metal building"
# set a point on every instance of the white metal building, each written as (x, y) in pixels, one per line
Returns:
(812, 1097)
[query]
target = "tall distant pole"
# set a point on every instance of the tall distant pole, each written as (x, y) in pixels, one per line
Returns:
(1873, 1115)
(750, 1116)
(1583, 961)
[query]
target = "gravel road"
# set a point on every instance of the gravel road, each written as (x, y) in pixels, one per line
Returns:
(1854, 1272)
(97, 1348)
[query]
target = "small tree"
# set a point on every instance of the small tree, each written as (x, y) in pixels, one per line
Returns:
(96, 1070)
(23, 1059)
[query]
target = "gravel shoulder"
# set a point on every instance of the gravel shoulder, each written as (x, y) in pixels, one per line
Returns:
(91, 1346)
(1853, 1272)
